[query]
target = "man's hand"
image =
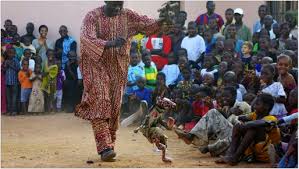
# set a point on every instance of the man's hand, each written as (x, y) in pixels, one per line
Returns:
(118, 42)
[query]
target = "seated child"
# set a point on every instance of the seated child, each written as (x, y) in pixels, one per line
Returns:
(150, 72)
(230, 79)
(219, 50)
(161, 90)
(209, 63)
(284, 63)
(200, 106)
(251, 139)
(209, 81)
(246, 51)
(133, 72)
(249, 98)
(222, 68)
(275, 89)
(171, 70)
(185, 84)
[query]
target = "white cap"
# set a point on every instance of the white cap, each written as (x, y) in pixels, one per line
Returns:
(239, 11)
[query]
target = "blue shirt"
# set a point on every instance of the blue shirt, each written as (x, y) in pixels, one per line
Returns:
(11, 75)
(133, 73)
(144, 94)
(238, 47)
(258, 26)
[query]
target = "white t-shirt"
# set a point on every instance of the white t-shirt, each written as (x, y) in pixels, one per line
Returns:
(194, 46)
(204, 71)
(171, 72)
(276, 90)
(31, 64)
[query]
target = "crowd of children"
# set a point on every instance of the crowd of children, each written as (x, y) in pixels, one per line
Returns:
(229, 85)
(33, 78)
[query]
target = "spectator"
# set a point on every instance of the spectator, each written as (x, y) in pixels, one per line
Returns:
(262, 11)
(194, 44)
(29, 34)
(42, 44)
(64, 45)
(229, 16)
(203, 19)
(243, 32)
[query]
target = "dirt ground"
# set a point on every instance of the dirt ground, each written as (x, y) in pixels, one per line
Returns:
(62, 140)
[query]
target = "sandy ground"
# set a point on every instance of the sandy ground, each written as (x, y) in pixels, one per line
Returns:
(62, 140)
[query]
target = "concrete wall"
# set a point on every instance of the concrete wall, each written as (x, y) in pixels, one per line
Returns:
(71, 13)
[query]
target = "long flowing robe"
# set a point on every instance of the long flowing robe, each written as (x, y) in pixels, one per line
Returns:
(105, 70)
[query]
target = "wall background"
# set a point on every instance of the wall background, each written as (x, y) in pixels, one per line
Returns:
(71, 13)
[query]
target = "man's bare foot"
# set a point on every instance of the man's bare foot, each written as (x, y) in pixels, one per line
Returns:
(184, 136)
(227, 160)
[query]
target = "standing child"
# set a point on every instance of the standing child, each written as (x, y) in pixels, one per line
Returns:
(49, 80)
(171, 70)
(36, 101)
(150, 72)
(275, 89)
(27, 55)
(284, 63)
(60, 78)
(71, 88)
(27, 45)
(26, 85)
(11, 68)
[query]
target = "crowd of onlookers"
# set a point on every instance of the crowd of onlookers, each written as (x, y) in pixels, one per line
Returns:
(37, 74)
(231, 84)
(219, 72)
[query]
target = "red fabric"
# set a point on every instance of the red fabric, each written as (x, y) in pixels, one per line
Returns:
(199, 109)
(203, 19)
(105, 69)
(189, 126)
(159, 60)
(295, 121)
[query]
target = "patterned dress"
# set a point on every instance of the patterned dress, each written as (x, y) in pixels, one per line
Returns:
(36, 101)
(105, 69)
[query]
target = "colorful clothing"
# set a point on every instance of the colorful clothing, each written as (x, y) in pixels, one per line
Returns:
(159, 43)
(11, 74)
(260, 149)
(151, 77)
(41, 50)
(105, 70)
(144, 94)
(36, 101)
(203, 19)
(185, 87)
(49, 82)
(24, 79)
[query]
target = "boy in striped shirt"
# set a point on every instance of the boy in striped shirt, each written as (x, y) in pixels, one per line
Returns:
(150, 72)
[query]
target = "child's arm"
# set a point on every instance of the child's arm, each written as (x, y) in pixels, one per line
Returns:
(258, 123)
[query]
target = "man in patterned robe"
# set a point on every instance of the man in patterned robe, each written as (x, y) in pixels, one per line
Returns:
(105, 43)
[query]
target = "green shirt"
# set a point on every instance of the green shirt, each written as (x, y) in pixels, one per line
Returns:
(244, 33)
(151, 77)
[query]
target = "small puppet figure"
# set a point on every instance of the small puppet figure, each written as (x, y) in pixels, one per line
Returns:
(150, 127)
